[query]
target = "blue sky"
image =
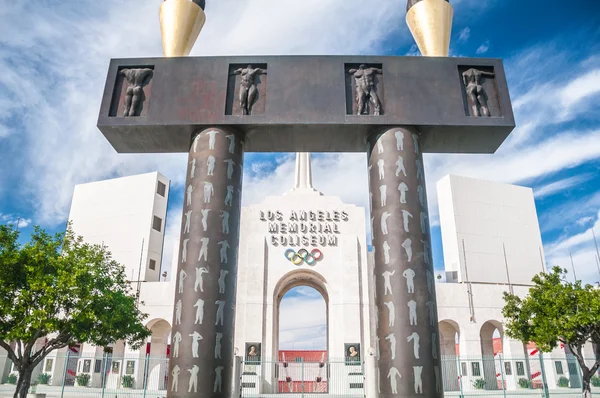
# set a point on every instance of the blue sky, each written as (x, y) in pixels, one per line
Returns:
(54, 56)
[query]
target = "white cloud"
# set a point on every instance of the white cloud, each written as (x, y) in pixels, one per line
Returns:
(16, 221)
(482, 49)
(561, 185)
(464, 34)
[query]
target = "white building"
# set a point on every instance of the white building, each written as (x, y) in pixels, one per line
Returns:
(480, 222)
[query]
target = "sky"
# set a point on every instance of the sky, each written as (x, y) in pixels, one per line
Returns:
(54, 57)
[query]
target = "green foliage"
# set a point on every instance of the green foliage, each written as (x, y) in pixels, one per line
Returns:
(524, 383)
(61, 286)
(596, 381)
(127, 381)
(83, 379)
(11, 379)
(44, 378)
(479, 384)
(554, 311)
(563, 381)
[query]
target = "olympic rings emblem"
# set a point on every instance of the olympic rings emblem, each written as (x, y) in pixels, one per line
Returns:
(304, 256)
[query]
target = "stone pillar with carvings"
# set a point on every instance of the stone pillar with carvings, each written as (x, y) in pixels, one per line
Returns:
(407, 330)
(202, 352)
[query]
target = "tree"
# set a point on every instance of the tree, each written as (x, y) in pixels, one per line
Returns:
(557, 311)
(63, 289)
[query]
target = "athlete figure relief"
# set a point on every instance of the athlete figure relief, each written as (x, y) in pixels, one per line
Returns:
(134, 95)
(472, 78)
(365, 89)
(248, 91)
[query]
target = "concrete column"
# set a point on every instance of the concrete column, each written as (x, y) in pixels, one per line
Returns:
(203, 320)
(404, 282)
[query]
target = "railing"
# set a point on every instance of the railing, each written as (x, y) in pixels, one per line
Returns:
(106, 376)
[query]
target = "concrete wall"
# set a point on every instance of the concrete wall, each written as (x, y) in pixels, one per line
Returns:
(487, 215)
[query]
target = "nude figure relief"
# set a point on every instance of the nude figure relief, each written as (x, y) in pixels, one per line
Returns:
(248, 91)
(366, 90)
(134, 94)
(476, 95)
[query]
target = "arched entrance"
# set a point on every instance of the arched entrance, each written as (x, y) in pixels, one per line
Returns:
(449, 338)
(157, 352)
(301, 332)
(491, 336)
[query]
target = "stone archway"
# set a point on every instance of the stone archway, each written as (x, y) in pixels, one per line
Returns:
(156, 351)
(489, 332)
(449, 336)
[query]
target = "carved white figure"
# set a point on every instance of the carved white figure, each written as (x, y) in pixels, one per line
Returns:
(372, 221)
(387, 285)
(416, 345)
(384, 217)
(199, 311)
(204, 219)
(184, 251)
(407, 245)
(210, 164)
(176, 341)
(409, 274)
(430, 282)
(219, 337)
(378, 381)
(193, 384)
(383, 194)
(196, 337)
(418, 381)
(420, 175)
(209, 191)
(230, 164)
(211, 139)
(403, 188)
(431, 308)
(371, 203)
(399, 140)
(392, 339)
(221, 281)
(175, 374)
(434, 353)
(178, 308)
(190, 189)
(412, 312)
(193, 168)
(392, 374)
(400, 167)
(231, 139)
(218, 379)
(196, 138)
(188, 219)
(379, 144)
(376, 315)
(225, 223)
(223, 252)
(220, 308)
(203, 249)
(386, 252)
(406, 216)
(424, 223)
(378, 353)
(380, 164)
(425, 251)
(421, 195)
(391, 312)
(182, 276)
(416, 142)
(229, 196)
(438, 386)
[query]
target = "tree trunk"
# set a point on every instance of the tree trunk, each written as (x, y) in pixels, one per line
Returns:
(586, 388)
(23, 382)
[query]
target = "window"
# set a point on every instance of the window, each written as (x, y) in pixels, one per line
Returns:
(98, 366)
(157, 223)
(87, 364)
(48, 366)
(520, 368)
(152, 265)
(475, 370)
(161, 189)
(559, 368)
(298, 359)
(507, 369)
(463, 369)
